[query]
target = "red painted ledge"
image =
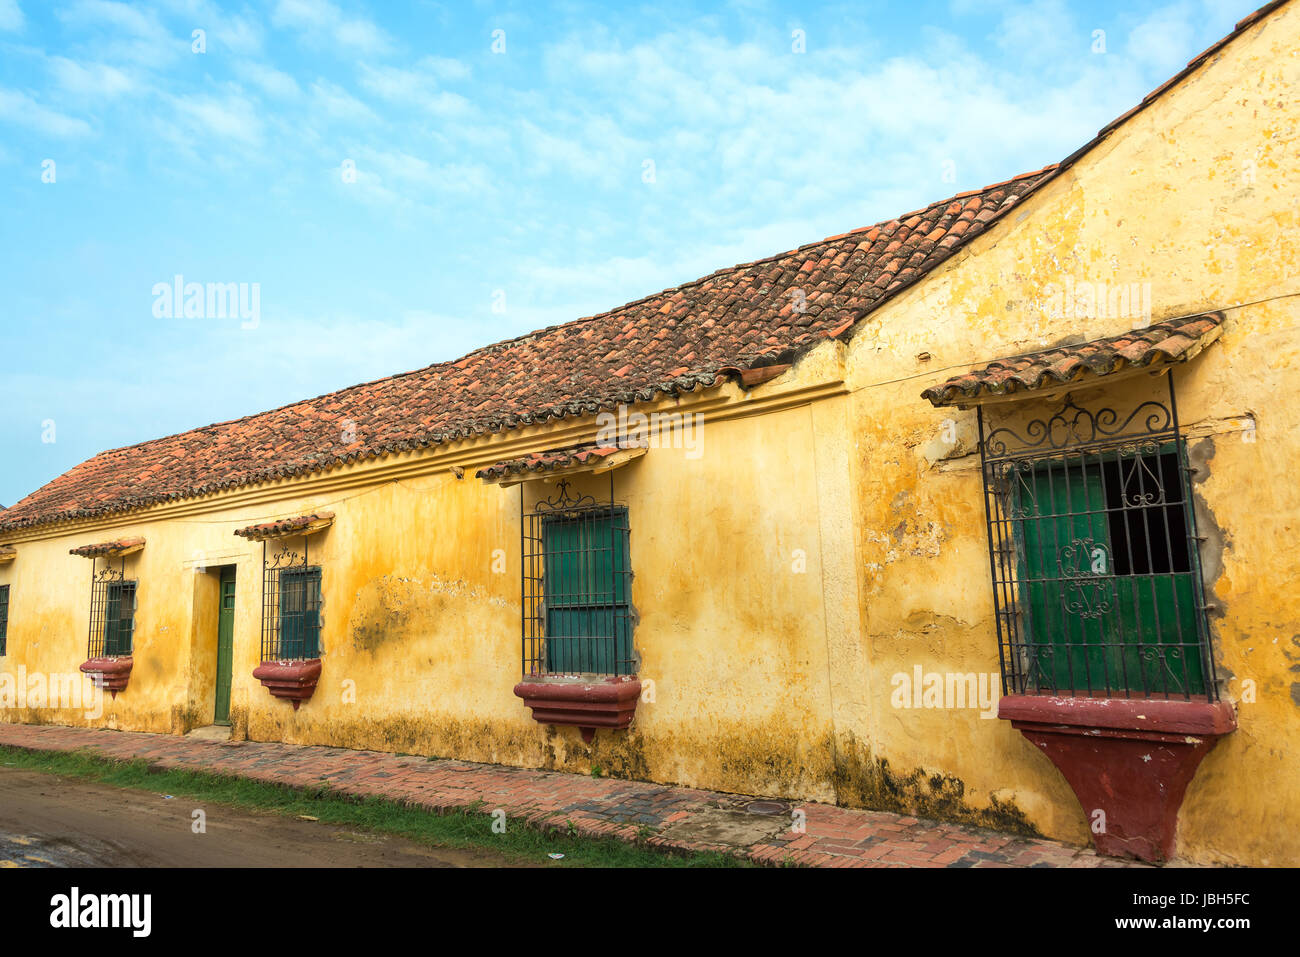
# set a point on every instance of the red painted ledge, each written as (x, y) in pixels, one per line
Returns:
(582, 703)
(1128, 760)
(292, 680)
(111, 674)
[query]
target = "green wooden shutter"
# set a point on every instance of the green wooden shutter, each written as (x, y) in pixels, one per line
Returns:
(1063, 528)
(585, 589)
(119, 618)
(299, 613)
(4, 618)
(1095, 619)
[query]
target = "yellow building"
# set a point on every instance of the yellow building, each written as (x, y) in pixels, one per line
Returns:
(718, 537)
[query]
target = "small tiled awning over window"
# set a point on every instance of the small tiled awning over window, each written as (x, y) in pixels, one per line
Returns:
(592, 457)
(1175, 340)
(7, 553)
(287, 527)
(115, 549)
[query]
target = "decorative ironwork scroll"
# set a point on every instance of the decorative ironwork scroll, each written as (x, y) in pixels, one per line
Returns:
(563, 501)
(1074, 427)
(1093, 551)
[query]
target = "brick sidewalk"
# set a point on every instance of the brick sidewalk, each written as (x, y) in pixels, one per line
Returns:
(671, 817)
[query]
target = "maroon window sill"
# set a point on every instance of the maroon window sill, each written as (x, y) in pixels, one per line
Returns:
(587, 703)
(110, 673)
(1128, 760)
(294, 681)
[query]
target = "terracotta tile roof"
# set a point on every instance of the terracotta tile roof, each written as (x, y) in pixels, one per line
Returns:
(287, 526)
(119, 546)
(552, 461)
(1175, 340)
(735, 322)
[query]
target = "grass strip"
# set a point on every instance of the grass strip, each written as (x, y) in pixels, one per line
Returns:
(470, 828)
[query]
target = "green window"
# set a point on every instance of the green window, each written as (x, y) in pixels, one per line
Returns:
(586, 592)
(299, 613)
(119, 618)
(1107, 576)
(4, 618)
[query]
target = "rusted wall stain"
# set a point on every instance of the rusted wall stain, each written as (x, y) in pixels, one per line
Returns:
(863, 780)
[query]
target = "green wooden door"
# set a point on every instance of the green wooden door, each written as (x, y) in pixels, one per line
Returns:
(225, 645)
(587, 615)
(1107, 603)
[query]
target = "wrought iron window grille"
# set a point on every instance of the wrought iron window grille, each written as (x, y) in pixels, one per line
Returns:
(1097, 584)
(576, 586)
(291, 605)
(112, 611)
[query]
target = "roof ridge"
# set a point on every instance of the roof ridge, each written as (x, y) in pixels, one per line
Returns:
(754, 262)
(258, 415)
(503, 343)
(134, 492)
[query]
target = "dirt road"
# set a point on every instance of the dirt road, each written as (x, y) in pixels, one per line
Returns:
(51, 821)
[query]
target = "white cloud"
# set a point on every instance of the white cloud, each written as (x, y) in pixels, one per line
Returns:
(121, 15)
(126, 33)
(238, 34)
(212, 122)
(272, 81)
(590, 148)
(361, 35)
(832, 133)
(1161, 41)
(11, 16)
(90, 80)
(604, 282)
(416, 175)
(757, 152)
(419, 86)
(1040, 31)
(320, 21)
(22, 109)
(339, 104)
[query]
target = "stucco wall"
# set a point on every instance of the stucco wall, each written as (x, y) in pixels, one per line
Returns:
(827, 538)
(1196, 196)
(421, 614)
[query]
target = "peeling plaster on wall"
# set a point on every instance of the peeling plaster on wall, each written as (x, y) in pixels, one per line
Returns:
(1214, 542)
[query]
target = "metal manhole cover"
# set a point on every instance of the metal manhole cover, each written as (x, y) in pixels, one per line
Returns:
(767, 807)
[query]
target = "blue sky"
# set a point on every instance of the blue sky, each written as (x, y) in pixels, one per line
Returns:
(401, 192)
